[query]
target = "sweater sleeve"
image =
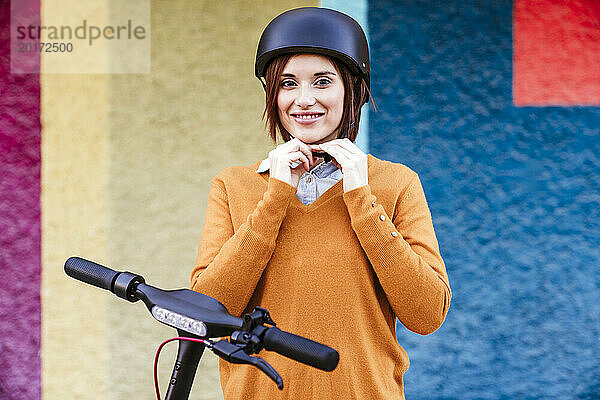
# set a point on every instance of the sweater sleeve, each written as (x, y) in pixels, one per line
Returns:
(229, 265)
(404, 254)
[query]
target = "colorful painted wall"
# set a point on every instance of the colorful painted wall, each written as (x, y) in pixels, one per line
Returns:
(496, 105)
(125, 169)
(509, 160)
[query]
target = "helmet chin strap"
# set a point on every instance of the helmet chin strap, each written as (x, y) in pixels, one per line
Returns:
(326, 156)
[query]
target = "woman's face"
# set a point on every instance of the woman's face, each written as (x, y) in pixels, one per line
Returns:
(311, 98)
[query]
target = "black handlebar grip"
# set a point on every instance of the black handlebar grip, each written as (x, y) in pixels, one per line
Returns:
(90, 272)
(301, 349)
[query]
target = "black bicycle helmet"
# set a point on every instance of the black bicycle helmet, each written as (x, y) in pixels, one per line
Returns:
(315, 30)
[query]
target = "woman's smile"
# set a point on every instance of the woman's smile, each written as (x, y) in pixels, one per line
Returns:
(307, 118)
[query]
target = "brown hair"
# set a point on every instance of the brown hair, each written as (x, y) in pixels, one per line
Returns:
(356, 92)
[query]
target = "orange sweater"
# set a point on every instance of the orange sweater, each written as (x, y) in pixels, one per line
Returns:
(338, 271)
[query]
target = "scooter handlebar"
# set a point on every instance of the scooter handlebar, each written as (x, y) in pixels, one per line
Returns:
(301, 349)
(91, 273)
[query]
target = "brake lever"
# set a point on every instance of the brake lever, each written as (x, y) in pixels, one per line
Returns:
(267, 369)
(236, 355)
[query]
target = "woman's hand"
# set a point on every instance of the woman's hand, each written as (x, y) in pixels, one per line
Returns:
(281, 158)
(349, 158)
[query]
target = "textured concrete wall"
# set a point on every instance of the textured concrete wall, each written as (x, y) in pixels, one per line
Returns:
(514, 194)
(20, 236)
(127, 163)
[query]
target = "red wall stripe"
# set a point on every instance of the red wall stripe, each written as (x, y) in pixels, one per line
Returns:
(556, 52)
(20, 229)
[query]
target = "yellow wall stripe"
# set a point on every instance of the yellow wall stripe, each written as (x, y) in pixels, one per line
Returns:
(127, 163)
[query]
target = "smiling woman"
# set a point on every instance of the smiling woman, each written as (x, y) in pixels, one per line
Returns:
(335, 250)
(337, 81)
(311, 98)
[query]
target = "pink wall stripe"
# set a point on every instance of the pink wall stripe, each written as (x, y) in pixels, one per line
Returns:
(20, 231)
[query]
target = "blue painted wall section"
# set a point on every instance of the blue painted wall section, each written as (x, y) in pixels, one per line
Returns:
(515, 198)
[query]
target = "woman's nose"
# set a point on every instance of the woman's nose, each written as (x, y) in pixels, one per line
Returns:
(305, 97)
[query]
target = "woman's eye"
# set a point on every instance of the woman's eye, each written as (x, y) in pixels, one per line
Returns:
(323, 81)
(287, 83)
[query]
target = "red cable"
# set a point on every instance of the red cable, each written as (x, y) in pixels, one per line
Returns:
(205, 342)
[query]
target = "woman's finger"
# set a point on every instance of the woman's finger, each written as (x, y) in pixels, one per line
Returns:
(345, 144)
(298, 156)
(296, 144)
(349, 146)
(336, 152)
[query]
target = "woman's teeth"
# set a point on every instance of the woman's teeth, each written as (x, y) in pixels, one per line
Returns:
(307, 116)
